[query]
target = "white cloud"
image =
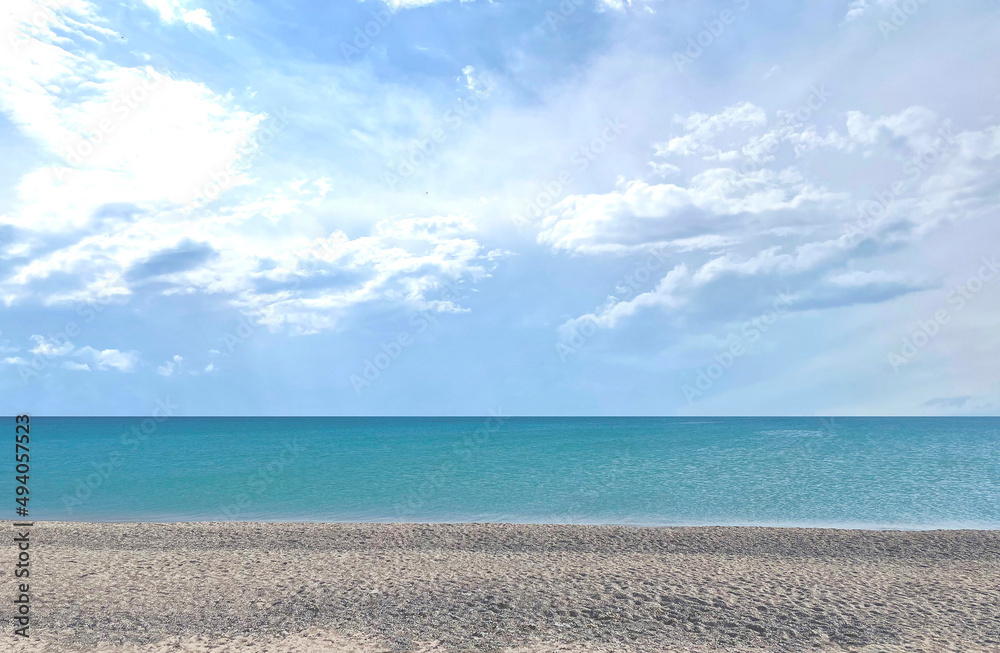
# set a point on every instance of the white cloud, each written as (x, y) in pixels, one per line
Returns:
(50, 348)
(482, 84)
(172, 11)
(681, 287)
(664, 169)
(306, 284)
(107, 359)
(411, 4)
(133, 134)
(168, 367)
(765, 218)
(765, 190)
(702, 129)
(858, 8)
(158, 152)
(665, 295)
(913, 124)
(403, 261)
(642, 214)
(622, 5)
(46, 349)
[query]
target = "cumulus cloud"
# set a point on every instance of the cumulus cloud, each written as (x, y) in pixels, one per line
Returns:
(50, 348)
(666, 294)
(173, 11)
(168, 367)
(307, 284)
(913, 124)
(763, 216)
(803, 280)
(765, 183)
(641, 213)
(135, 134)
(702, 129)
(110, 359)
(154, 144)
(47, 350)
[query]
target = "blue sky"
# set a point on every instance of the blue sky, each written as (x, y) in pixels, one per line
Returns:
(432, 207)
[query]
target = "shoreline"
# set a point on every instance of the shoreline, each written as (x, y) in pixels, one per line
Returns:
(878, 528)
(782, 527)
(524, 588)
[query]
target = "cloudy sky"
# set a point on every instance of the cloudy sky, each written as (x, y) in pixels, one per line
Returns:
(734, 207)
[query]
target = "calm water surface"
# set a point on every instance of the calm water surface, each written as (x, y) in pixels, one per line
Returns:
(867, 472)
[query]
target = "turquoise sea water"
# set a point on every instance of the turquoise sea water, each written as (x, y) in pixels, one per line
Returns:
(859, 472)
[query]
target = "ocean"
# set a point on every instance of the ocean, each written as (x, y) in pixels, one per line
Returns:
(908, 473)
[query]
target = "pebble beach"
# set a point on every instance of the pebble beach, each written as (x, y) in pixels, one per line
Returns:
(276, 587)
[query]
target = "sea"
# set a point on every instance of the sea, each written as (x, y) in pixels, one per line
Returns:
(885, 473)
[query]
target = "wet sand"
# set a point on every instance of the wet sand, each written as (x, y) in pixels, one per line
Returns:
(255, 587)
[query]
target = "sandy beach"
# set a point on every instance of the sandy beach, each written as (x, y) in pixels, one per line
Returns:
(516, 588)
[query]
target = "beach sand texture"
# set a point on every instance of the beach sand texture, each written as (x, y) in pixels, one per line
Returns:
(254, 587)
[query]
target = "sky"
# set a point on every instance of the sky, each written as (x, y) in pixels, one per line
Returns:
(433, 207)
